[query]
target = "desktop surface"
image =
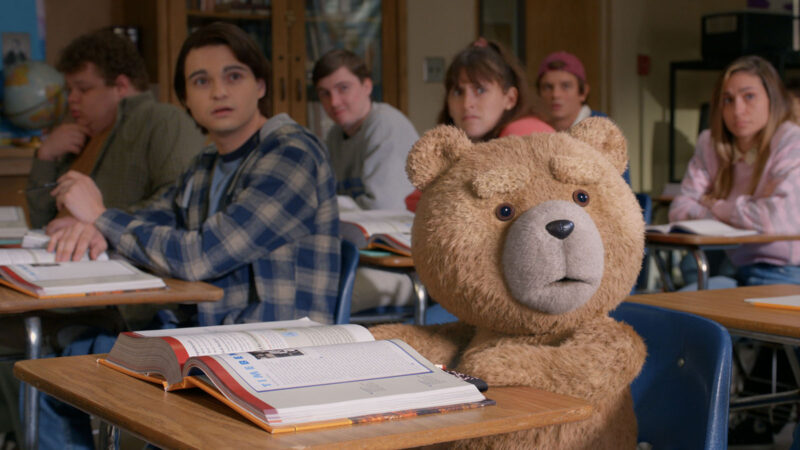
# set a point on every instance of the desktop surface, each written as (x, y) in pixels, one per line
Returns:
(192, 418)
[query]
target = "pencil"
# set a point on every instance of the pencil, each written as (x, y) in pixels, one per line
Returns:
(37, 188)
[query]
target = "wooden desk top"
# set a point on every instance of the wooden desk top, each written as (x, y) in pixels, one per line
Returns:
(394, 261)
(193, 419)
(727, 307)
(696, 240)
(12, 301)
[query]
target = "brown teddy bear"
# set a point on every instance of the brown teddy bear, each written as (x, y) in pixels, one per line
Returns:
(530, 242)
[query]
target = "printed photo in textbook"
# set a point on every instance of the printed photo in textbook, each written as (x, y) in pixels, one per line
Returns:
(292, 375)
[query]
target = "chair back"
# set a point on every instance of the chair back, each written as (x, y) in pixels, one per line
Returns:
(681, 396)
(646, 203)
(347, 279)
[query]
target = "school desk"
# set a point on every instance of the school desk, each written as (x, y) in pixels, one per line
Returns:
(728, 308)
(398, 264)
(193, 419)
(14, 302)
(697, 245)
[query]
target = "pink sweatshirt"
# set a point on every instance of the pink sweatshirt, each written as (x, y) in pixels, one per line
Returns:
(526, 125)
(774, 207)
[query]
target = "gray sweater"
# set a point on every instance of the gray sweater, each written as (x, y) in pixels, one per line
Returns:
(370, 165)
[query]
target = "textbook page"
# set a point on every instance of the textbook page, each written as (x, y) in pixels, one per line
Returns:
(260, 336)
(705, 227)
(11, 256)
(266, 339)
(310, 384)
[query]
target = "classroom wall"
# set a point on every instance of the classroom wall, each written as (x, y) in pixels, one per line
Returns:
(435, 28)
(665, 32)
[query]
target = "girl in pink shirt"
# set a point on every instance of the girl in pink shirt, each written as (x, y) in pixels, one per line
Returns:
(746, 170)
(487, 96)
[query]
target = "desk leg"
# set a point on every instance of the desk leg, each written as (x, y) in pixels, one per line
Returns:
(109, 436)
(793, 363)
(663, 272)
(422, 298)
(702, 268)
(30, 399)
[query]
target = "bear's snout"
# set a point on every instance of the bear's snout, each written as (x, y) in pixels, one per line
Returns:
(553, 257)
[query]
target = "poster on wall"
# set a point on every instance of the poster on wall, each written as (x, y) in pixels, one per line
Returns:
(16, 48)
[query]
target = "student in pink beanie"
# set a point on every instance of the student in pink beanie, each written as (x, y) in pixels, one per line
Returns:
(561, 84)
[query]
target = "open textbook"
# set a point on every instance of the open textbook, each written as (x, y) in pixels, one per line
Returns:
(12, 224)
(378, 229)
(706, 227)
(292, 375)
(70, 279)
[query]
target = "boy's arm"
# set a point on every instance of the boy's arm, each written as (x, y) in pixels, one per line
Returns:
(278, 205)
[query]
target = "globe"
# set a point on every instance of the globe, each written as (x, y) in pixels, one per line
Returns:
(34, 95)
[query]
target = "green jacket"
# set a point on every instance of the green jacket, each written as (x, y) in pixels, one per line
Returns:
(150, 145)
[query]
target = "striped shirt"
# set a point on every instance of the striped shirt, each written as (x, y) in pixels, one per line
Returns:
(273, 246)
(774, 207)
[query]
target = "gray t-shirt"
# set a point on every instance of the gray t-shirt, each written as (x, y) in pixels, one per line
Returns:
(370, 165)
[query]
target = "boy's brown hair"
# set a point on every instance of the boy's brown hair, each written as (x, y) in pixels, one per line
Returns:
(112, 54)
(244, 48)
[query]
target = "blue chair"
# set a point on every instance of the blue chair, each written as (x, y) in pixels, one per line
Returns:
(681, 396)
(646, 203)
(347, 279)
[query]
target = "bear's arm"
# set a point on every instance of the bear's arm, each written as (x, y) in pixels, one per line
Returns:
(598, 360)
(440, 344)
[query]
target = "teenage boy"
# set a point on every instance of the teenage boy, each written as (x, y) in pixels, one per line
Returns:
(131, 145)
(370, 141)
(255, 213)
(562, 86)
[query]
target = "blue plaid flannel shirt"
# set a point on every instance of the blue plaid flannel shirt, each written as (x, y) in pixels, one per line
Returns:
(273, 246)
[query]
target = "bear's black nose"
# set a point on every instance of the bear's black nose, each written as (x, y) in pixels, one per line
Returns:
(560, 228)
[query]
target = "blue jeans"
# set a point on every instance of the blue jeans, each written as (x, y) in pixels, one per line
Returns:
(62, 426)
(762, 273)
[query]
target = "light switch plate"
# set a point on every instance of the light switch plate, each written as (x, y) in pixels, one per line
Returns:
(433, 69)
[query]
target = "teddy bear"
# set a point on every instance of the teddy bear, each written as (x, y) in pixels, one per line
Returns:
(530, 242)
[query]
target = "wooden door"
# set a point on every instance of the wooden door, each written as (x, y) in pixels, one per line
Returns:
(575, 26)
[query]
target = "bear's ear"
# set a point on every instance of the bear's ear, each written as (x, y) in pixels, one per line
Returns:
(605, 137)
(434, 153)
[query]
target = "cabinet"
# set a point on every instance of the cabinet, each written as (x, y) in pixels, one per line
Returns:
(292, 34)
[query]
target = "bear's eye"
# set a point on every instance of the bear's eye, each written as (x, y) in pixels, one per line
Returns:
(504, 212)
(580, 197)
